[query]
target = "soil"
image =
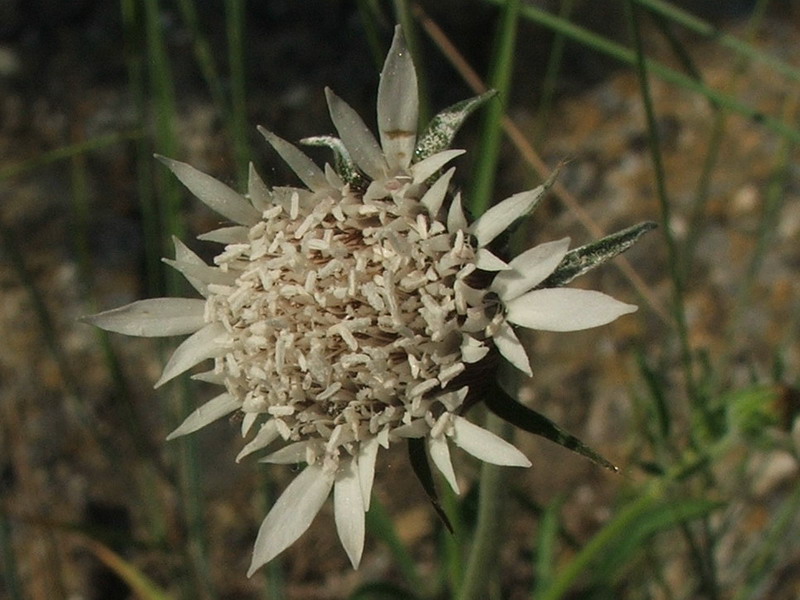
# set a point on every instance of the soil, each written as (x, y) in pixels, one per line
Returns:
(84, 459)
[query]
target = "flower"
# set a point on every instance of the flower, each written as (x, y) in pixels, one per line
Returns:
(358, 311)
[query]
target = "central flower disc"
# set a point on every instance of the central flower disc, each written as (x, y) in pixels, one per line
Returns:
(344, 311)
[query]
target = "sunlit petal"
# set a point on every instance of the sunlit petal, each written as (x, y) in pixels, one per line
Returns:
(348, 510)
(512, 350)
(185, 255)
(440, 455)
(357, 138)
(291, 515)
(565, 309)
(156, 317)
(499, 217)
(455, 216)
(214, 409)
(427, 167)
(529, 269)
(265, 436)
(194, 350)
(398, 104)
(308, 172)
(434, 197)
(366, 468)
(213, 193)
(485, 445)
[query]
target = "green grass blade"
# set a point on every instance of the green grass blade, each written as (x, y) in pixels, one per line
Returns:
(705, 29)
(403, 16)
(372, 20)
(551, 75)
(546, 542)
(452, 551)
(673, 256)
(697, 218)
(235, 20)
(380, 525)
(170, 223)
(67, 152)
(627, 56)
(614, 546)
(482, 185)
(482, 568)
(204, 55)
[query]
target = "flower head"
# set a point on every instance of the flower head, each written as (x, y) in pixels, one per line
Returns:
(357, 311)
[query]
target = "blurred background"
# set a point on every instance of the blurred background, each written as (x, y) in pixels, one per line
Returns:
(694, 396)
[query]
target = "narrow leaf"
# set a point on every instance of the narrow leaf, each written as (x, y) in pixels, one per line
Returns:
(581, 260)
(519, 415)
(422, 469)
(439, 133)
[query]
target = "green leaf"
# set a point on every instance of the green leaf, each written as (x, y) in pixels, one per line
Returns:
(620, 551)
(422, 469)
(382, 527)
(519, 415)
(622, 537)
(342, 161)
(439, 133)
(584, 259)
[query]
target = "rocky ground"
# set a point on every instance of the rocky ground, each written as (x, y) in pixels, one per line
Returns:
(63, 81)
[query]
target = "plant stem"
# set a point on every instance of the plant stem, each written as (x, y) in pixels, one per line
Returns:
(485, 544)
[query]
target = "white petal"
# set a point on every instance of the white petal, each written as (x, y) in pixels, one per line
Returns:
(487, 261)
(416, 429)
(257, 190)
(398, 104)
(367, 455)
(155, 317)
(357, 138)
(453, 400)
(333, 178)
(202, 272)
(455, 216)
(472, 350)
(288, 455)
(210, 377)
(304, 167)
(433, 198)
(485, 445)
(428, 166)
(440, 455)
(529, 269)
(235, 234)
(348, 510)
(184, 254)
(248, 420)
(498, 218)
(512, 350)
(560, 309)
(194, 349)
(291, 515)
(212, 410)
(213, 193)
(265, 436)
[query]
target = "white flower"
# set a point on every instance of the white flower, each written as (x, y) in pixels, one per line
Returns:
(354, 312)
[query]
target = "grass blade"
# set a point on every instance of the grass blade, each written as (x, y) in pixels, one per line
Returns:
(482, 185)
(627, 56)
